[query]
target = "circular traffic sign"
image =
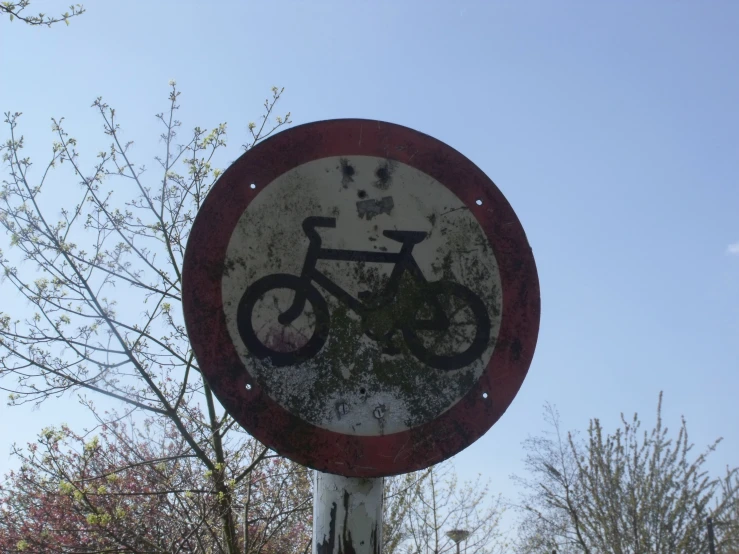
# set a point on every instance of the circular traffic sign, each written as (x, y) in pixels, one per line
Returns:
(360, 297)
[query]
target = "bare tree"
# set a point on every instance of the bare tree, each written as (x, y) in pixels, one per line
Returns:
(17, 10)
(552, 520)
(626, 492)
(436, 505)
(397, 498)
(99, 265)
(725, 522)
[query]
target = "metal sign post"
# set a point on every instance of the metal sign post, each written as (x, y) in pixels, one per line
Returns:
(362, 299)
(347, 514)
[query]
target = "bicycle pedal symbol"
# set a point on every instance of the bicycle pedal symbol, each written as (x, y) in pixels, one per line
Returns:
(428, 311)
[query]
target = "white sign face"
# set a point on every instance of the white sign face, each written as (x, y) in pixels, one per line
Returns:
(361, 294)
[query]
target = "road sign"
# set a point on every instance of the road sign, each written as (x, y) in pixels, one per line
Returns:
(360, 297)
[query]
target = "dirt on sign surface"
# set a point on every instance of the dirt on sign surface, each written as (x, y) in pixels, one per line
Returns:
(361, 297)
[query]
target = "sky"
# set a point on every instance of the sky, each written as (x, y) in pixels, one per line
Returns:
(611, 127)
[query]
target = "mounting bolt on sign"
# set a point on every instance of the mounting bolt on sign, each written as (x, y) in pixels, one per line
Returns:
(362, 299)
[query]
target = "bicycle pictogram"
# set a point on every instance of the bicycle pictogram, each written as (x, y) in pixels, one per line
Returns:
(434, 306)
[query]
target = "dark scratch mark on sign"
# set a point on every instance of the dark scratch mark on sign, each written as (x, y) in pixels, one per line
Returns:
(347, 172)
(370, 208)
(453, 210)
(516, 348)
(384, 174)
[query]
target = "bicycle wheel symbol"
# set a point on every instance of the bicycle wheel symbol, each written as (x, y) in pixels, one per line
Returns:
(450, 317)
(275, 345)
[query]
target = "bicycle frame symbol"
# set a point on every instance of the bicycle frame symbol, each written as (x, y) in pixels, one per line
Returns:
(430, 294)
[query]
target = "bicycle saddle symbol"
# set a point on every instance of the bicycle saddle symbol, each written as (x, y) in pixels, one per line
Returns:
(427, 307)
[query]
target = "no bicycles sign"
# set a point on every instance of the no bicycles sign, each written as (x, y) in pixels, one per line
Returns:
(360, 297)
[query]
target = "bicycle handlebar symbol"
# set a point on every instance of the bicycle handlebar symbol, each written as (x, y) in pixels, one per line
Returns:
(429, 294)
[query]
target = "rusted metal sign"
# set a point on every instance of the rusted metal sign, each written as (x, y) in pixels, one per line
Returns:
(360, 297)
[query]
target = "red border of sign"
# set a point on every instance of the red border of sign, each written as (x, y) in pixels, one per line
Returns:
(328, 451)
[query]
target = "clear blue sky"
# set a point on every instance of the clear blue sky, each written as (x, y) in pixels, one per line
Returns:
(611, 127)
